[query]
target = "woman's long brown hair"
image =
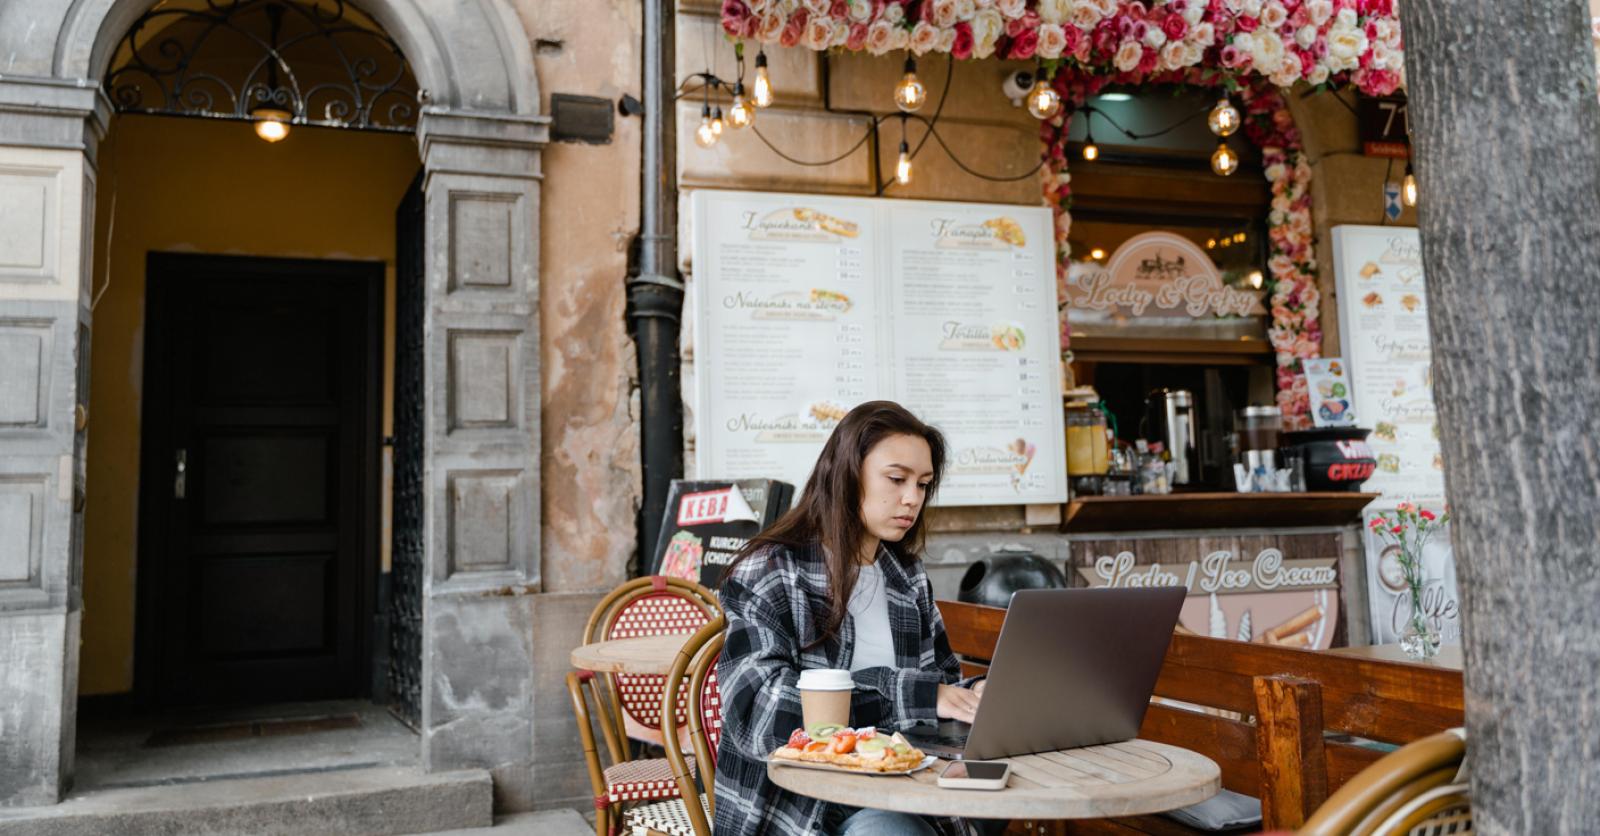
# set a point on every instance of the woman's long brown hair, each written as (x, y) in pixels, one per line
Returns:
(829, 511)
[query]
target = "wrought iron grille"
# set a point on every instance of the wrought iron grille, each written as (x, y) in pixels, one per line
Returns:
(406, 565)
(324, 62)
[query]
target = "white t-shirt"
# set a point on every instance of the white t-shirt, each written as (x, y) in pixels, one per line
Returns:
(869, 607)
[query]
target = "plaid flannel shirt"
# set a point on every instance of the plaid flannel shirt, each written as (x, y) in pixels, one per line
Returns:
(774, 602)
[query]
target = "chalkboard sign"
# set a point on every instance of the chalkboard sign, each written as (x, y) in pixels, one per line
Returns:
(708, 521)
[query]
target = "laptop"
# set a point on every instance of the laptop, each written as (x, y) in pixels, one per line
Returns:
(1072, 667)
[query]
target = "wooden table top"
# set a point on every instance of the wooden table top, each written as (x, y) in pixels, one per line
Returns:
(1449, 656)
(642, 655)
(1118, 779)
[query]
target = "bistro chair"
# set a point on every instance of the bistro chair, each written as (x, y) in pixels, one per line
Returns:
(650, 606)
(1417, 790)
(696, 668)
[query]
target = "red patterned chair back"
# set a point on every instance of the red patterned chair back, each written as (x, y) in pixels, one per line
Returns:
(703, 690)
(657, 610)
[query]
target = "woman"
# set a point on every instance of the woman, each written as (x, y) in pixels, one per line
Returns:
(837, 583)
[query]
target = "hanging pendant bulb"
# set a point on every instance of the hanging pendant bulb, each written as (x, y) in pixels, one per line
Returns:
(1043, 100)
(1224, 118)
(909, 94)
(740, 113)
(763, 85)
(272, 124)
(716, 121)
(1408, 187)
(902, 167)
(1224, 161)
(1091, 151)
(705, 136)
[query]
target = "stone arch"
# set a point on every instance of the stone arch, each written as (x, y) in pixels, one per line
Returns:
(445, 49)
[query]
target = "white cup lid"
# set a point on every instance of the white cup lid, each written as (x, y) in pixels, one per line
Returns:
(826, 679)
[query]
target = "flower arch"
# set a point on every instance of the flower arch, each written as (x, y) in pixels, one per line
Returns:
(1254, 47)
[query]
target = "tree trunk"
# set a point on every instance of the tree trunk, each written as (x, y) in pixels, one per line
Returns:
(1505, 127)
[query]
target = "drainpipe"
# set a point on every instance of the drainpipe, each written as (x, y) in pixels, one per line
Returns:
(655, 293)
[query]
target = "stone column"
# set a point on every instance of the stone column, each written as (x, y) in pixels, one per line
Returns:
(48, 133)
(481, 448)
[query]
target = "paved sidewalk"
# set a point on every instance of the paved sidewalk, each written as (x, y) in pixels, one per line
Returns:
(563, 822)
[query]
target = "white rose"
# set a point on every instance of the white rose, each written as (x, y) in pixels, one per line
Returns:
(841, 33)
(1273, 15)
(1345, 18)
(902, 38)
(880, 37)
(1289, 72)
(894, 12)
(788, 7)
(1382, 54)
(1128, 56)
(1086, 16)
(985, 4)
(771, 28)
(818, 7)
(1203, 34)
(1234, 6)
(1305, 36)
(1251, 8)
(1174, 56)
(966, 9)
(1320, 11)
(924, 37)
(1245, 42)
(1268, 54)
(860, 10)
(1192, 54)
(1345, 47)
(944, 13)
(1318, 74)
(819, 32)
(1193, 12)
(1106, 7)
(1385, 29)
(758, 7)
(1012, 9)
(1154, 37)
(1052, 39)
(1054, 11)
(947, 39)
(987, 27)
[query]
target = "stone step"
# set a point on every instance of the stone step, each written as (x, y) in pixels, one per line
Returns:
(356, 802)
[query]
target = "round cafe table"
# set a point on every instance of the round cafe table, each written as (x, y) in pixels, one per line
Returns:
(1117, 779)
(641, 655)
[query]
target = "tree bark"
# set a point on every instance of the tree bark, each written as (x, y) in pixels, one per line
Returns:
(1505, 126)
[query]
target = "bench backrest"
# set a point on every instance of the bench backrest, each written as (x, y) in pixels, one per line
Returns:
(1294, 697)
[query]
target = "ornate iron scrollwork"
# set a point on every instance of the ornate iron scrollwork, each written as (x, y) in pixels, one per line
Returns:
(324, 62)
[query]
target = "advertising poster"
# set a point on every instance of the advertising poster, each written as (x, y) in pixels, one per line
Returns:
(807, 305)
(708, 522)
(1388, 357)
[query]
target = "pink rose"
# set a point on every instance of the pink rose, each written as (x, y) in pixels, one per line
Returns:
(794, 28)
(1246, 24)
(1233, 57)
(736, 18)
(1024, 46)
(1015, 27)
(857, 38)
(1175, 27)
(961, 50)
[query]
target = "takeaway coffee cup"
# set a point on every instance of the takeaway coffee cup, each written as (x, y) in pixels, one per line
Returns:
(825, 696)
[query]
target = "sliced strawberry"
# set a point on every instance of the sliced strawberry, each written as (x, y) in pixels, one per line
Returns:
(817, 746)
(799, 739)
(843, 743)
(867, 733)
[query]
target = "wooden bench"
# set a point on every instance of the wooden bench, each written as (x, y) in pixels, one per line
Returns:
(1298, 709)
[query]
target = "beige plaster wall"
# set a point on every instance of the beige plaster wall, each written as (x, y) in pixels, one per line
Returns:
(590, 210)
(194, 185)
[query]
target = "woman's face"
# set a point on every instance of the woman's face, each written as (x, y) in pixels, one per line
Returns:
(894, 484)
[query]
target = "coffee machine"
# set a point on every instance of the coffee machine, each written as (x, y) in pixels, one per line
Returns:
(1169, 417)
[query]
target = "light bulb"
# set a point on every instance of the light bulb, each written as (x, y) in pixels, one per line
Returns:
(1091, 151)
(705, 136)
(271, 124)
(1043, 100)
(1256, 279)
(740, 113)
(902, 167)
(716, 121)
(1224, 161)
(1224, 118)
(763, 86)
(1097, 253)
(1408, 187)
(909, 94)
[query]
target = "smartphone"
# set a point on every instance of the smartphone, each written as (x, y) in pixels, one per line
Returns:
(975, 775)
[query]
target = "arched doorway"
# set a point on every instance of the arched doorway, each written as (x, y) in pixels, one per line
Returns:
(479, 137)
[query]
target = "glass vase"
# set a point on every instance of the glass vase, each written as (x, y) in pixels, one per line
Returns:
(1418, 640)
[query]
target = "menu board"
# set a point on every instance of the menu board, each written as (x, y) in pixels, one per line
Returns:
(807, 305)
(1383, 328)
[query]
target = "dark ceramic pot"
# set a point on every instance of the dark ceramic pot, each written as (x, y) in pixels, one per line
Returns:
(991, 581)
(1337, 458)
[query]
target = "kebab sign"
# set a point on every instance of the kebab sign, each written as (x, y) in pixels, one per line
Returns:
(1268, 598)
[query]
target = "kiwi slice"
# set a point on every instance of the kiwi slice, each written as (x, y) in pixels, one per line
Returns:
(822, 731)
(872, 744)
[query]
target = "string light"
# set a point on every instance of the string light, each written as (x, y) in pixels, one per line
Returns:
(1043, 100)
(1097, 253)
(902, 166)
(1408, 187)
(1256, 279)
(909, 94)
(716, 121)
(705, 136)
(1224, 118)
(740, 113)
(763, 85)
(1224, 161)
(1091, 151)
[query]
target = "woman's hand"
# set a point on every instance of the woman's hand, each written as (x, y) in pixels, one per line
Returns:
(956, 703)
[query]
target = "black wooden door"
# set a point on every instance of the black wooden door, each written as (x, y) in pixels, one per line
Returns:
(259, 478)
